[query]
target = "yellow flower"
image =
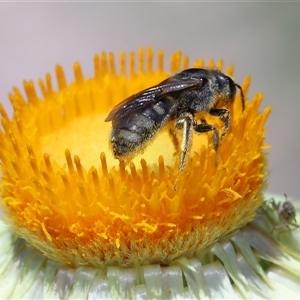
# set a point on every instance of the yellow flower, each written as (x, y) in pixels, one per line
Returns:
(134, 228)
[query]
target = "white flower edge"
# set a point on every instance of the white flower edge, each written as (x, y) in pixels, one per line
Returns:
(231, 268)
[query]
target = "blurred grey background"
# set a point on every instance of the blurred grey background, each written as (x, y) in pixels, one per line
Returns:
(260, 39)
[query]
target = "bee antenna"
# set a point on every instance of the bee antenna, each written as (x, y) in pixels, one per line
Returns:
(242, 95)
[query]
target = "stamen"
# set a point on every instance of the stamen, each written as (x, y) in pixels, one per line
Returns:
(134, 174)
(112, 187)
(211, 64)
(14, 100)
(246, 84)
(256, 103)
(220, 65)
(46, 177)
(6, 125)
(131, 65)
(48, 163)
(122, 170)
(144, 170)
(49, 192)
(161, 168)
(95, 179)
(42, 87)
(103, 164)
(15, 145)
(97, 68)
(37, 184)
(199, 63)
(60, 76)
(69, 161)
(150, 60)
(19, 123)
(48, 236)
(30, 149)
(66, 181)
(30, 92)
(49, 83)
(154, 204)
(230, 70)
(111, 61)
(82, 192)
(265, 116)
(103, 63)
(122, 64)
(16, 167)
(17, 99)
(185, 62)
(78, 73)
(3, 112)
(160, 61)
(79, 167)
(175, 62)
(33, 164)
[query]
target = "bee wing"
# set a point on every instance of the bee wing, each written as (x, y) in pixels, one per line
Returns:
(151, 95)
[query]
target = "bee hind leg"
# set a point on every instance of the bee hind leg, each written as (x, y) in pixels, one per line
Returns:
(185, 122)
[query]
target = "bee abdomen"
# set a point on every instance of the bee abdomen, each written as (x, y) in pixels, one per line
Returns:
(131, 133)
(124, 142)
(130, 138)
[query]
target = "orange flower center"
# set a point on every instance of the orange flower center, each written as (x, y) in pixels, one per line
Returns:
(66, 194)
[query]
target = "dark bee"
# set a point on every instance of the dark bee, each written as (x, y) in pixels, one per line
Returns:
(137, 119)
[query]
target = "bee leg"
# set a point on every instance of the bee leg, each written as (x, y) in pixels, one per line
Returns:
(185, 122)
(223, 114)
(201, 128)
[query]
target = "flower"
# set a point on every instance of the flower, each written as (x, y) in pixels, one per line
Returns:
(99, 227)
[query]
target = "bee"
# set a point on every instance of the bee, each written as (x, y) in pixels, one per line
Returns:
(286, 213)
(137, 119)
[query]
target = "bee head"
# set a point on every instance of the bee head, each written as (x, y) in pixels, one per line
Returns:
(227, 88)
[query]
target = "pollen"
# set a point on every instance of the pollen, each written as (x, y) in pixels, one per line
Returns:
(64, 192)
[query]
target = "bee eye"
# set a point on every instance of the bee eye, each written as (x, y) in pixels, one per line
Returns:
(223, 82)
(204, 81)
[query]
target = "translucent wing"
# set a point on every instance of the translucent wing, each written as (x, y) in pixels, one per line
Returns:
(153, 94)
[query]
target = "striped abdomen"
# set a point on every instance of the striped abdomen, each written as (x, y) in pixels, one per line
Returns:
(131, 132)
